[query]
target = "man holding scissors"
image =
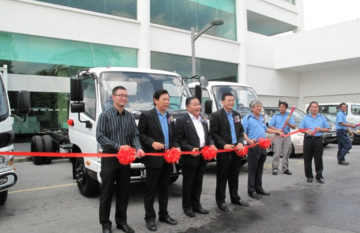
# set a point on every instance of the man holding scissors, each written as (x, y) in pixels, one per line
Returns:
(282, 121)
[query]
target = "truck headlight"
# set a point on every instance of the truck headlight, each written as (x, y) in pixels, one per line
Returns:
(6, 160)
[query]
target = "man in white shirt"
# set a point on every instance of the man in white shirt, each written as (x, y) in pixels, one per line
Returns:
(192, 134)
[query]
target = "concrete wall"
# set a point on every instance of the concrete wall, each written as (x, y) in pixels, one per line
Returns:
(331, 85)
(328, 44)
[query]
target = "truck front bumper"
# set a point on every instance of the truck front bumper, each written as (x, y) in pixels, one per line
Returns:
(7, 180)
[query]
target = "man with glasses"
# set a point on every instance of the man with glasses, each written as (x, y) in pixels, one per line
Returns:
(116, 129)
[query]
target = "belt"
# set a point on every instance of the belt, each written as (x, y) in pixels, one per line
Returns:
(312, 137)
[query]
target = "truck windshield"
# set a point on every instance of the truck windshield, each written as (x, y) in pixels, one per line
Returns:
(243, 96)
(4, 107)
(140, 88)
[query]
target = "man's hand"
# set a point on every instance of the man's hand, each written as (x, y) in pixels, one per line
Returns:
(140, 153)
(251, 141)
(158, 146)
(239, 146)
(195, 155)
(229, 146)
(125, 147)
(212, 146)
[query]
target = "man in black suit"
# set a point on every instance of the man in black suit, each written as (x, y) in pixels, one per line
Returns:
(192, 134)
(156, 131)
(228, 133)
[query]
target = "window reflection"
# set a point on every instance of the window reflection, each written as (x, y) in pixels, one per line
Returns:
(185, 14)
(123, 8)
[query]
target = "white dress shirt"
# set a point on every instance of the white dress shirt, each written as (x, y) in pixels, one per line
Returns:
(199, 129)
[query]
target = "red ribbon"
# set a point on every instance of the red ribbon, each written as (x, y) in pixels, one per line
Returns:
(127, 155)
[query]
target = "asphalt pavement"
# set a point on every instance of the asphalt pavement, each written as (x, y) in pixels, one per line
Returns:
(46, 199)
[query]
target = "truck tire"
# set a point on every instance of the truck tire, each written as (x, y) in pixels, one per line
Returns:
(3, 197)
(48, 147)
(37, 146)
(88, 187)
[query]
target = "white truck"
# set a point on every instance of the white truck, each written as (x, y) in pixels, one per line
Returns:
(90, 94)
(8, 177)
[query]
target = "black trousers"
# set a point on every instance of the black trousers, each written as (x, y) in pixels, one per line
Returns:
(227, 170)
(157, 179)
(256, 159)
(113, 172)
(313, 148)
(192, 185)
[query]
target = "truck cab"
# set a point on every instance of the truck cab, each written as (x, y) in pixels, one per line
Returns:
(91, 93)
(8, 177)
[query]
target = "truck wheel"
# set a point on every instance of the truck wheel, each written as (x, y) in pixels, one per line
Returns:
(3, 197)
(88, 187)
(48, 147)
(174, 178)
(37, 146)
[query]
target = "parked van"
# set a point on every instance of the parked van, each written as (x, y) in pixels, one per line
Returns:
(352, 114)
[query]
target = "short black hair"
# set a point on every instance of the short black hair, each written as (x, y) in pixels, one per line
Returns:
(158, 93)
(312, 102)
(115, 89)
(226, 94)
(342, 104)
(188, 100)
(284, 103)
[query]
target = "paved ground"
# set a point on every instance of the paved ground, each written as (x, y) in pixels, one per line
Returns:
(46, 199)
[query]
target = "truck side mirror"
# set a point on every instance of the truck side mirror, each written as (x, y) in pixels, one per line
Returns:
(76, 89)
(208, 107)
(198, 92)
(77, 107)
(23, 102)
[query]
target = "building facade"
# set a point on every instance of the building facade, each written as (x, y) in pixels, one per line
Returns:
(44, 42)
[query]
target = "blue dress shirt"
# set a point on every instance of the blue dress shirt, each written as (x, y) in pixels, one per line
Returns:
(164, 126)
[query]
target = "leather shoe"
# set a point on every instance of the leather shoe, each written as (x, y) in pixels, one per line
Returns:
(223, 207)
(107, 230)
(343, 162)
(321, 180)
(200, 210)
(151, 225)
(240, 202)
(168, 220)
(254, 195)
(275, 173)
(263, 192)
(309, 180)
(189, 213)
(287, 172)
(125, 228)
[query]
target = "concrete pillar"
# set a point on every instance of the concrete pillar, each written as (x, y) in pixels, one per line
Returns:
(300, 9)
(143, 13)
(241, 22)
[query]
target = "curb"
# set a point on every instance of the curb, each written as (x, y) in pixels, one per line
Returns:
(22, 159)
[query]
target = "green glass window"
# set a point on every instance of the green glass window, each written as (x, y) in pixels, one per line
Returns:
(122, 8)
(185, 14)
(48, 111)
(291, 1)
(212, 70)
(26, 54)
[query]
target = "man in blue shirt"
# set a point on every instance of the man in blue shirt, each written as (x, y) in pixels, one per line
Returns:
(254, 129)
(344, 142)
(282, 145)
(315, 124)
(157, 134)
